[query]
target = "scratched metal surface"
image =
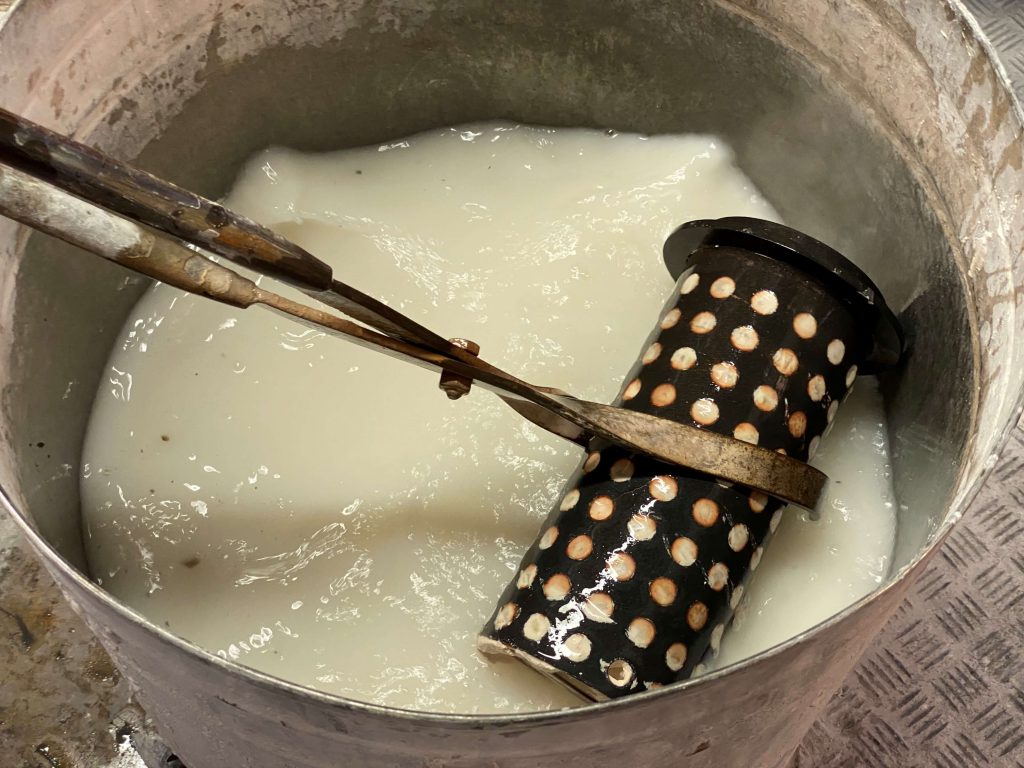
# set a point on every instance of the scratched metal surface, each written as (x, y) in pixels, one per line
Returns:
(945, 686)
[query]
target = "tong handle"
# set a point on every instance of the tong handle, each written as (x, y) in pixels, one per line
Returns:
(35, 203)
(142, 197)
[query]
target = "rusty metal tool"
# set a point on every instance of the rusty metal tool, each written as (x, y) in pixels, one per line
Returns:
(71, 191)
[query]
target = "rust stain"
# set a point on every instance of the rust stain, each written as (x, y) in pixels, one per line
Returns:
(1012, 156)
(1000, 106)
(976, 74)
(24, 633)
(977, 121)
(57, 99)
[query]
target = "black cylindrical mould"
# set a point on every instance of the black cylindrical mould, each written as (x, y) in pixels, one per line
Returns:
(637, 571)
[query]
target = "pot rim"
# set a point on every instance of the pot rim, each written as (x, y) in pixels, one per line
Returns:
(959, 499)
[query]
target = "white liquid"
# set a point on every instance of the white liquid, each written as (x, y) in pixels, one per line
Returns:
(814, 569)
(323, 513)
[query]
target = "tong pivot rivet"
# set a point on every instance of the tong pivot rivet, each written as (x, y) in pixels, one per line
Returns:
(454, 385)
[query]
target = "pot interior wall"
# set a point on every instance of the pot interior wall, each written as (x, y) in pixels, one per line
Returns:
(808, 143)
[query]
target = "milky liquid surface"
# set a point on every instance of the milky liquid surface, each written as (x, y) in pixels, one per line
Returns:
(323, 513)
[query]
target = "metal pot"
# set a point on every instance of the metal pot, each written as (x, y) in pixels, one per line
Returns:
(878, 126)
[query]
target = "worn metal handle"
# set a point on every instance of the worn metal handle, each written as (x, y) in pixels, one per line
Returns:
(142, 197)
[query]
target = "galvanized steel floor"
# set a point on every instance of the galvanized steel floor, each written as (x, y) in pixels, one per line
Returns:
(944, 687)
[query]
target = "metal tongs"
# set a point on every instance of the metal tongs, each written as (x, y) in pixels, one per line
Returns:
(58, 186)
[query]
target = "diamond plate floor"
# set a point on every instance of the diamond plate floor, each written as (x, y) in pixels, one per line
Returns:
(1003, 22)
(945, 686)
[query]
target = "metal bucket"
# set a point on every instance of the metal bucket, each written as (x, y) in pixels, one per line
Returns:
(878, 126)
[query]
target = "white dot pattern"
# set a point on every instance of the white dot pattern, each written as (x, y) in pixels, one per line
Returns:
(577, 647)
(599, 607)
(675, 656)
(785, 361)
(689, 283)
(557, 587)
(536, 627)
(602, 507)
(684, 551)
(766, 398)
(663, 487)
(569, 500)
(764, 302)
(526, 576)
(816, 388)
(737, 596)
(641, 632)
(805, 325)
(836, 351)
(718, 577)
(622, 470)
(724, 375)
(705, 512)
(758, 501)
(653, 353)
(684, 358)
(746, 432)
(620, 673)
(649, 558)
(506, 614)
(662, 395)
(703, 322)
(642, 527)
(755, 559)
(632, 389)
(580, 547)
(723, 287)
(621, 567)
(812, 447)
(697, 616)
(704, 411)
(739, 535)
(663, 591)
(670, 319)
(744, 338)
